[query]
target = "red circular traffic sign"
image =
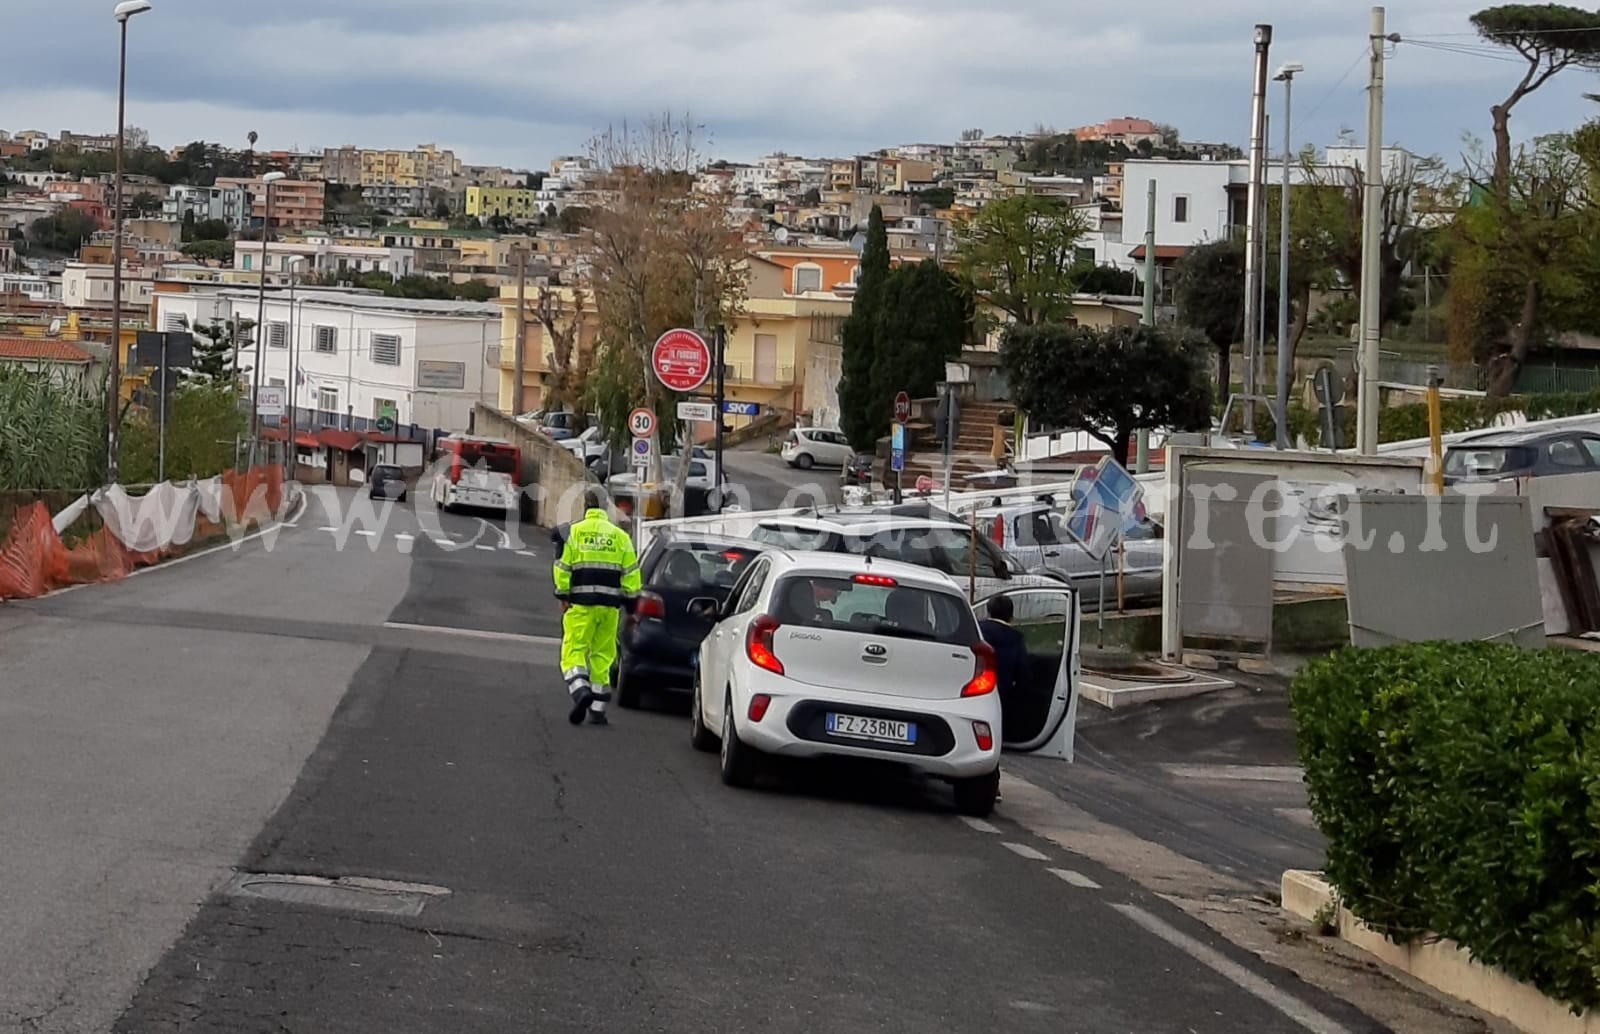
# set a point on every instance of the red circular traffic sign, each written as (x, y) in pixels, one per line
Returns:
(642, 423)
(924, 484)
(902, 407)
(681, 360)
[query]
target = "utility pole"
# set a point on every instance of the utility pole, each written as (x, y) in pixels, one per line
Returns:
(1252, 252)
(1142, 436)
(1371, 245)
(720, 348)
(1285, 75)
(519, 350)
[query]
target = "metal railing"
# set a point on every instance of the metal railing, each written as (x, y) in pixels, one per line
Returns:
(755, 373)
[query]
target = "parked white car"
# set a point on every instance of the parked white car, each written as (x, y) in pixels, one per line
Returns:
(1036, 534)
(818, 654)
(807, 447)
(590, 444)
(899, 533)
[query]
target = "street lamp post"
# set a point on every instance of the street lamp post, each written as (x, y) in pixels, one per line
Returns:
(289, 456)
(123, 11)
(1286, 76)
(261, 314)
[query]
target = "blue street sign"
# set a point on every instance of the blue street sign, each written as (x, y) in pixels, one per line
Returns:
(742, 408)
(897, 448)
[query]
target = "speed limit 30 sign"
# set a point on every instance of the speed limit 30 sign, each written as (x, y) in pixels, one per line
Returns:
(642, 422)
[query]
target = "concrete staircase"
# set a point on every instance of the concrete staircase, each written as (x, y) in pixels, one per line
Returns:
(974, 443)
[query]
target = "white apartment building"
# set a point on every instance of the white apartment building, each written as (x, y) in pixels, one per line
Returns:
(88, 285)
(229, 204)
(359, 354)
(34, 288)
(321, 255)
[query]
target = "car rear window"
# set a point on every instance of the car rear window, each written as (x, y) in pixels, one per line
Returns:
(689, 569)
(1484, 461)
(883, 609)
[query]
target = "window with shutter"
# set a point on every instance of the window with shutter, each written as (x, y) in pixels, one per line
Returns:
(174, 321)
(386, 349)
(277, 335)
(807, 278)
(327, 340)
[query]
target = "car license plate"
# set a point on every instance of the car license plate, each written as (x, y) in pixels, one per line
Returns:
(882, 729)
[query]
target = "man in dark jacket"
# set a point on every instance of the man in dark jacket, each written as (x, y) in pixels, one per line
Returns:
(1010, 649)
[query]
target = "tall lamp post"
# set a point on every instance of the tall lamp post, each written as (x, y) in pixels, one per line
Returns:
(1285, 76)
(261, 314)
(123, 11)
(290, 447)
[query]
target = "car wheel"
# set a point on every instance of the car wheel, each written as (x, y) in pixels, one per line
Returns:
(975, 797)
(700, 738)
(738, 760)
(402, 497)
(804, 461)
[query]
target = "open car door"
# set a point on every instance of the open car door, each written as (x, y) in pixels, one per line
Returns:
(1039, 715)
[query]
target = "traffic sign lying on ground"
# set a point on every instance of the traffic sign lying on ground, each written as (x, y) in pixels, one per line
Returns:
(742, 408)
(642, 422)
(681, 360)
(698, 411)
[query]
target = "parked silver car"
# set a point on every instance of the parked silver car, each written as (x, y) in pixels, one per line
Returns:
(1036, 535)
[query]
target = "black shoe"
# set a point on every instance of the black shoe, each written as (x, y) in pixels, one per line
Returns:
(598, 718)
(580, 707)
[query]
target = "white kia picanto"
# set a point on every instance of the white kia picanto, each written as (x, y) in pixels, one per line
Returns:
(833, 654)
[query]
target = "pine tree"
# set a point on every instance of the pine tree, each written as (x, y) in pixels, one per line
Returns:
(214, 349)
(859, 342)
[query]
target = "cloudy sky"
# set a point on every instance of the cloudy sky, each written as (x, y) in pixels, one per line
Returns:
(517, 82)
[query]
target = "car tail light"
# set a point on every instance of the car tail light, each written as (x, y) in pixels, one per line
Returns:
(998, 532)
(758, 706)
(758, 644)
(986, 678)
(650, 606)
(984, 734)
(882, 580)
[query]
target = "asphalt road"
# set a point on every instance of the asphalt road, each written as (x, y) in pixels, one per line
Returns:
(391, 710)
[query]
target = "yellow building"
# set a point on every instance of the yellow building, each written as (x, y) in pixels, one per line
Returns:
(767, 353)
(510, 202)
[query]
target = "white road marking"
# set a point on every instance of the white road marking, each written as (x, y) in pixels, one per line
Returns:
(473, 633)
(444, 543)
(524, 552)
(980, 825)
(1023, 850)
(402, 536)
(1077, 879)
(365, 533)
(1287, 1004)
(329, 527)
(1242, 773)
(486, 549)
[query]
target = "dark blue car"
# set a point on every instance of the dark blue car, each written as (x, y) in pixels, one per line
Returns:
(660, 639)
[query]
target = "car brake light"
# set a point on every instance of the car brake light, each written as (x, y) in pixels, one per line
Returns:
(650, 606)
(984, 734)
(985, 677)
(758, 706)
(882, 580)
(999, 532)
(758, 644)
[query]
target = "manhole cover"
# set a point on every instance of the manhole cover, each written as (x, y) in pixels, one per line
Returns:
(348, 893)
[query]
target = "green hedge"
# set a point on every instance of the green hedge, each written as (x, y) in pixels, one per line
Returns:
(1458, 786)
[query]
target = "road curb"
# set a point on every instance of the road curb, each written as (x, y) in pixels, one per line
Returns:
(1443, 964)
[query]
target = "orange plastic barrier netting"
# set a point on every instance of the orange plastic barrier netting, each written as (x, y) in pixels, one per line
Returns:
(34, 560)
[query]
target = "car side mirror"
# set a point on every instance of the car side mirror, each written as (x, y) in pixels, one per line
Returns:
(705, 607)
(1014, 566)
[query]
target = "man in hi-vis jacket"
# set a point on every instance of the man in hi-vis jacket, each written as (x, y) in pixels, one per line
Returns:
(597, 576)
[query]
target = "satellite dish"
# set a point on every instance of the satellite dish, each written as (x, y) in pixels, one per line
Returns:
(781, 235)
(858, 243)
(55, 327)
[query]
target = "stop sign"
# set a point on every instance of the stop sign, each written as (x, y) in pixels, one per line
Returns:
(681, 360)
(924, 484)
(902, 408)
